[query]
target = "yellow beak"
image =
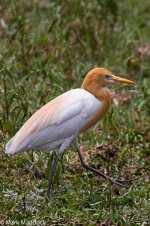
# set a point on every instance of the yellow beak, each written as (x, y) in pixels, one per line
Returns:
(123, 80)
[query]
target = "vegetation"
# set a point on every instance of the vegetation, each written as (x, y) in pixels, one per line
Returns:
(46, 48)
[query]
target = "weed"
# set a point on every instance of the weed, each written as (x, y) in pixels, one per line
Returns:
(46, 48)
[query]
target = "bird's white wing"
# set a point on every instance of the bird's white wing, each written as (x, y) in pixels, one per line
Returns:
(61, 118)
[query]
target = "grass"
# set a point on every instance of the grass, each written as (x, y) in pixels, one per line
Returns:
(46, 48)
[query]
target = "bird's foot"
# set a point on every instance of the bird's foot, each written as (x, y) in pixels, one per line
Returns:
(58, 192)
(54, 194)
(120, 183)
(47, 200)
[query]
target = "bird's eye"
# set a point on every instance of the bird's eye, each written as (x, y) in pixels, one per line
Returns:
(107, 76)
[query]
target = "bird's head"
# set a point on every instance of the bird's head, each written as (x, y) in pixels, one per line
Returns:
(101, 77)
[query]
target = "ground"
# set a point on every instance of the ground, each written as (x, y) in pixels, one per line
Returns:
(46, 48)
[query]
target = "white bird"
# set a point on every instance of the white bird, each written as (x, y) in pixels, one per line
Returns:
(58, 123)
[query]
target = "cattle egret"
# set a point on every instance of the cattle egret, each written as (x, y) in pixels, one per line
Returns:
(58, 123)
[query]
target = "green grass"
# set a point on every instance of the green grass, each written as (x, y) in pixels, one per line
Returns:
(46, 48)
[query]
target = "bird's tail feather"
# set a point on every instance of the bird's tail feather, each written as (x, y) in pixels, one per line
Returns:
(11, 147)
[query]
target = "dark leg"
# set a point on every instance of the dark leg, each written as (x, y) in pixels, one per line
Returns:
(52, 172)
(97, 172)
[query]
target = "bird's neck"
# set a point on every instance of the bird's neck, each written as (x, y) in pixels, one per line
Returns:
(102, 93)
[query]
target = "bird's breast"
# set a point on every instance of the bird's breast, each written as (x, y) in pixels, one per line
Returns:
(100, 111)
